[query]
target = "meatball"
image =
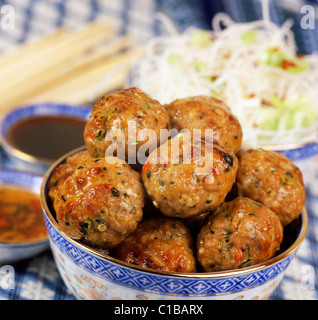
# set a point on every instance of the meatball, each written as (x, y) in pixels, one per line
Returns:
(185, 179)
(238, 234)
(100, 203)
(207, 112)
(64, 170)
(273, 180)
(126, 117)
(159, 243)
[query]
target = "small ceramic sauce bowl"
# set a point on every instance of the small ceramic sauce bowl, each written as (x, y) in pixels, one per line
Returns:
(34, 136)
(17, 250)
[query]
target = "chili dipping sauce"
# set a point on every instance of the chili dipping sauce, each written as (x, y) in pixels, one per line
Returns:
(21, 218)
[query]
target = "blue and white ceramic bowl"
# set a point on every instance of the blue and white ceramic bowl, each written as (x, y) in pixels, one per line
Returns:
(91, 274)
(13, 252)
(25, 161)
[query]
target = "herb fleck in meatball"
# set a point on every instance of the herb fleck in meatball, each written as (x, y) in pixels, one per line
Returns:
(100, 203)
(186, 180)
(238, 234)
(207, 112)
(159, 243)
(273, 180)
(113, 114)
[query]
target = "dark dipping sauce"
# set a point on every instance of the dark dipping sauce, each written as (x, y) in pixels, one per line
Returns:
(47, 137)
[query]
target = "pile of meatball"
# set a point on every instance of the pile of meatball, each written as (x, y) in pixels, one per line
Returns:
(164, 215)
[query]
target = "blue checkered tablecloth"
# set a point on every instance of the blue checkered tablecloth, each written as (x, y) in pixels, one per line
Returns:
(38, 278)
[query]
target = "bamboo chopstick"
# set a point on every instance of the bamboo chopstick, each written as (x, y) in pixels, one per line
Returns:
(52, 56)
(78, 88)
(46, 47)
(67, 66)
(15, 56)
(57, 75)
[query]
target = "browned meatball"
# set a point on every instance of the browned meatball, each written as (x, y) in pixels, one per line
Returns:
(207, 112)
(273, 180)
(111, 117)
(64, 170)
(185, 186)
(100, 203)
(159, 243)
(238, 234)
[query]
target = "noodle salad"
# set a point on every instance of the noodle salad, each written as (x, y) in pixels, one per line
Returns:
(253, 67)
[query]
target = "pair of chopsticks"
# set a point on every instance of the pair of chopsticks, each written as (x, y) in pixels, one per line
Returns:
(67, 66)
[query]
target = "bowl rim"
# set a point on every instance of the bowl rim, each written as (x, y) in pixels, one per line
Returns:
(283, 147)
(195, 275)
(23, 155)
(37, 241)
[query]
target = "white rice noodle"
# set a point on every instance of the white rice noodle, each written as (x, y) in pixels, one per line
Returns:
(237, 78)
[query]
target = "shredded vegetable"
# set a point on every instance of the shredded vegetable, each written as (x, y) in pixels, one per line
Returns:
(254, 67)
